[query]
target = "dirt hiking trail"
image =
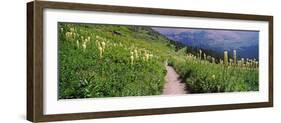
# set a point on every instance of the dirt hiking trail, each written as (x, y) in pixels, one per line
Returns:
(173, 85)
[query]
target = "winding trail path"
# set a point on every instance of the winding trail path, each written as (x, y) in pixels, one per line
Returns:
(174, 84)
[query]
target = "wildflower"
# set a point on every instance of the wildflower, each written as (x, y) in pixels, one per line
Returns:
(256, 64)
(61, 29)
(132, 59)
(221, 61)
(213, 60)
(242, 62)
(74, 35)
(204, 56)
(77, 43)
(84, 45)
(200, 53)
(100, 49)
(67, 34)
(103, 46)
(225, 60)
(234, 57)
(239, 62)
(247, 64)
(147, 57)
(136, 53)
(72, 29)
(213, 76)
(231, 61)
(250, 62)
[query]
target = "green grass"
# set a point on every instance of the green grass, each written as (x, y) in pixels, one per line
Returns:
(205, 77)
(83, 73)
(116, 61)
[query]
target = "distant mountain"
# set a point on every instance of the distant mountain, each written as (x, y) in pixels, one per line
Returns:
(245, 42)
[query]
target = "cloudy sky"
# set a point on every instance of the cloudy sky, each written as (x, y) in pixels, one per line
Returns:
(221, 38)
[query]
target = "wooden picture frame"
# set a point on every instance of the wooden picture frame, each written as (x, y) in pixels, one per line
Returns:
(35, 61)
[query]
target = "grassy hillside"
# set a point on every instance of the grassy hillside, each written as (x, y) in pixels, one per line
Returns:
(116, 61)
(110, 61)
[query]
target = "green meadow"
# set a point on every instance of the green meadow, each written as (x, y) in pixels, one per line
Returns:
(98, 60)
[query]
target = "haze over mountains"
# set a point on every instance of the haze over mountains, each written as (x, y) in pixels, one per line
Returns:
(245, 42)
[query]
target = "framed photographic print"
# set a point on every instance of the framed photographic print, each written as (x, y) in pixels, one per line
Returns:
(96, 61)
